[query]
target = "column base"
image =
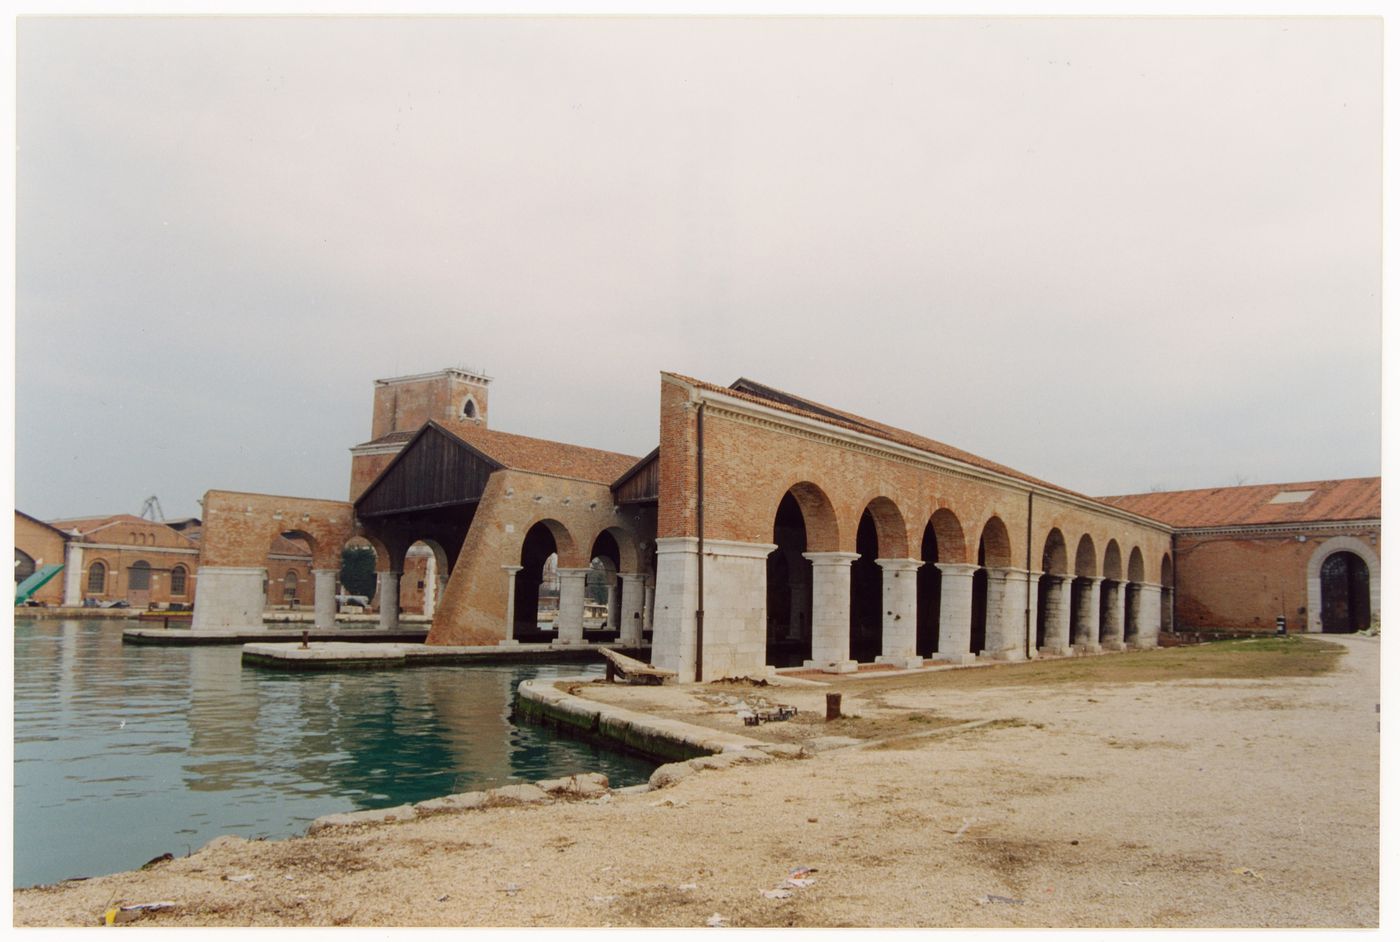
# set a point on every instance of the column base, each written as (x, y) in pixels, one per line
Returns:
(505, 642)
(831, 667)
(904, 661)
(1114, 646)
(1141, 645)
(567, 643)
(958, 659)
(1011, 654)
(1056, 650)
(1088, 647)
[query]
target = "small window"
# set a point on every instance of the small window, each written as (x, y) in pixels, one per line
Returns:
(97, 578)
(177, 580)
(139, 576)
(289, 586)
(469, 408)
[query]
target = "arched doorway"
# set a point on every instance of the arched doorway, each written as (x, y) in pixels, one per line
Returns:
(602, 590)
(1051, 588)
(1346, 593)
(789, 640)
(930, 600)
(537, 587)
(865, 593)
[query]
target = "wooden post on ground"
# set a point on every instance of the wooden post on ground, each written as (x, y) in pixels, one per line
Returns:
(833, 706)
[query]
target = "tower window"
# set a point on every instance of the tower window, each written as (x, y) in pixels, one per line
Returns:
(469, 408)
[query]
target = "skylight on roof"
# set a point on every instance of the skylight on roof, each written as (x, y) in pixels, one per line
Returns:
(1291, 497)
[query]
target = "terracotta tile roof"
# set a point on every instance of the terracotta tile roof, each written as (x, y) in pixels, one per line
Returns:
(523, 453)
(392, 438)
(787, 402)
(1252, 504)
(41, 523)
(86, 525)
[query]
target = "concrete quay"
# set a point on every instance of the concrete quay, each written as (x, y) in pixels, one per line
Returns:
(338, 654)
(186, 636)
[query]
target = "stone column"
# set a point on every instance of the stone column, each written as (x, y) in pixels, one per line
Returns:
(899, 592)
(229, 598)
(1149, 615)
(676, 598)
(1086, 633)
(955, 614)
(610, 622)
(1033, 603)
(430, 586)
(633, 590)
(1057, 616)
(389, 600)
(510, 572)
(571, 594)
(1113, 620)
(831, 611)
(73, 573)
(1006, 614)
(648, 602)
(324, 593)
(1132, 613)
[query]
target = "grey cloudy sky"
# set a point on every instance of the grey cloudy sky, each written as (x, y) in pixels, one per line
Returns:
(1116, 254)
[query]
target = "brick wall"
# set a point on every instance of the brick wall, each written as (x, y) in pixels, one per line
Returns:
(751, 462)
(473, 608)
(45, 547)
(1246, 580)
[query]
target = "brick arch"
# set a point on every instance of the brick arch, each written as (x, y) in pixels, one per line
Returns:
(1113, 561)
(1086, 558)
(1341, 544)
(1136, 571)
(566, 548)
(995, 543)
(890, 528)
(239, 527)
(818, 516)
(947, 529)
(1054, 557)
(629, 558)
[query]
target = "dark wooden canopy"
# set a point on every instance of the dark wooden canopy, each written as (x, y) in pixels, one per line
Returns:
(435, 469)
(640, 483)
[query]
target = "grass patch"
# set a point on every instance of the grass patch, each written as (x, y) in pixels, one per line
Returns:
(1243, 659)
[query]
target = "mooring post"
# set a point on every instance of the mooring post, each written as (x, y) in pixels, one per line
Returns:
(833, 706)
(305, 637)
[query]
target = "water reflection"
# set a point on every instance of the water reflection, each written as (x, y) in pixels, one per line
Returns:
(124, 752)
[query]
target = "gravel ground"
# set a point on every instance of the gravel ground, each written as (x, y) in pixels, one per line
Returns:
(1179, 803)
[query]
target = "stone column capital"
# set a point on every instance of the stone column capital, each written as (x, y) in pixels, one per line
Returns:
(512, 569)
(572, 573)
(831, 559)
(899, 565)
(957, 569)
(1094, 579)
(317, 572)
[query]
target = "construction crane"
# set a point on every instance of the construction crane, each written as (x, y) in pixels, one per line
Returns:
(150, 510)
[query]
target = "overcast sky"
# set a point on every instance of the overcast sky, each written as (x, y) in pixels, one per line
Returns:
(1116, 254)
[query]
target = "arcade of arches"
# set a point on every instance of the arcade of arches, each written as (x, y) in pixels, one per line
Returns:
(828, 541)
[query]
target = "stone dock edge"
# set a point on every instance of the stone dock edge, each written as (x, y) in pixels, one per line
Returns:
(544, 702)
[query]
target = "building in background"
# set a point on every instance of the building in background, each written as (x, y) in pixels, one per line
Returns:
(1308, 551)
(144, 563)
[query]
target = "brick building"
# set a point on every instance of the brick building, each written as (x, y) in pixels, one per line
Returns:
(1307, 551)
(143, 562)
(813, 536)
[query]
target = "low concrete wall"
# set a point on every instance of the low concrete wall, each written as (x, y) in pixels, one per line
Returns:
(543, 702)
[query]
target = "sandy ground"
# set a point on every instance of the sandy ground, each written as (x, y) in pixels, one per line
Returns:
(1227, 802)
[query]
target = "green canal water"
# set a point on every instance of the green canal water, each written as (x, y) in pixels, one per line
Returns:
(126, 752)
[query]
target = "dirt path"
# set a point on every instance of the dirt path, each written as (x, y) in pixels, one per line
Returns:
(1201, 802)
